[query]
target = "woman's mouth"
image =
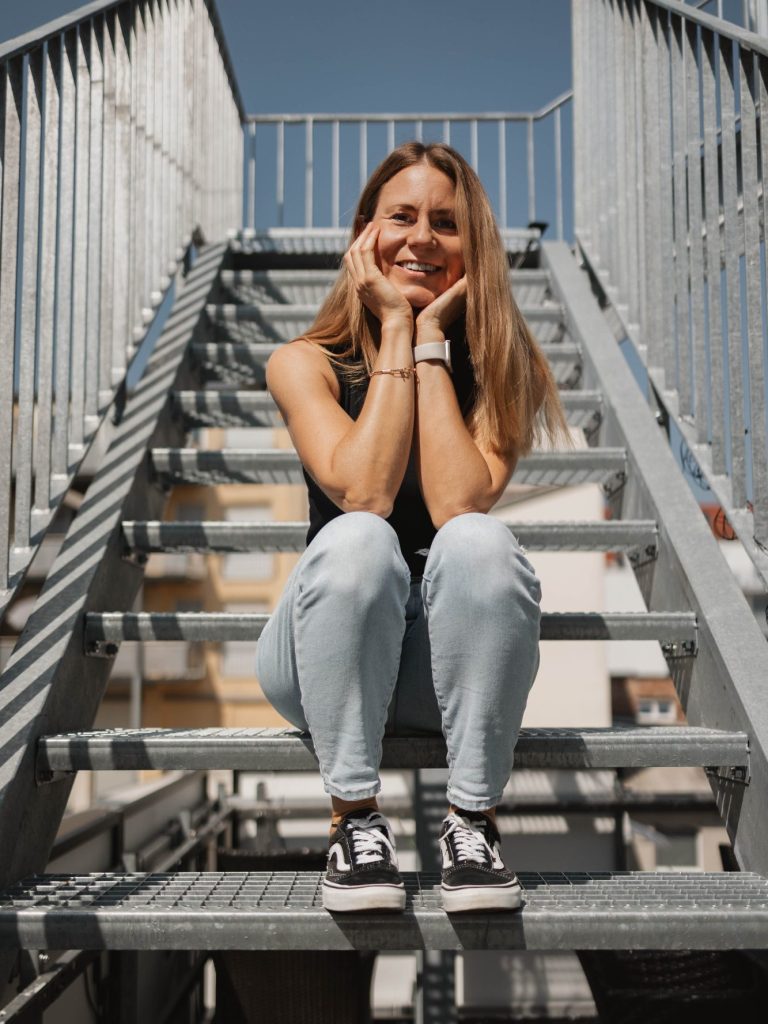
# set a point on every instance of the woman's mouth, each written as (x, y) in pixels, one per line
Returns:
(417, 267)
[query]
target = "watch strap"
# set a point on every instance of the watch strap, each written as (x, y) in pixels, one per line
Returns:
(433, 350)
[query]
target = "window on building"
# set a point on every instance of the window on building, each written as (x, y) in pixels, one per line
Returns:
(677, 849)
(238, 658)
(255, 566)
(655, 711)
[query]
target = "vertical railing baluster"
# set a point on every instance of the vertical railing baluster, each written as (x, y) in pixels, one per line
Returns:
(95, 185)
(123, 230)
(696, 218)
(682, 278)
(716, 425)
(732, 276)
(47, 290)
(280, 183)
(335, 173)
(669, 360)
(419, 130)
(251, 214)
(756, 424)
(139, 178)
(26, 342)
(620, 170)
(65, 260)
(308, 172)
(11, 90)
(80, 253)
(109, 171)
(652, 317)
(447, 132)
(390, 136)
(531, 172)
(558, 129)
(502, 172)
(473, 154)
(363, 154)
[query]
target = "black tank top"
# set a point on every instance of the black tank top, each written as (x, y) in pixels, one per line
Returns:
(410, 518)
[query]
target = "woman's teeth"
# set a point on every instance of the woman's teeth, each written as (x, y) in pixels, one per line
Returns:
(426, 268)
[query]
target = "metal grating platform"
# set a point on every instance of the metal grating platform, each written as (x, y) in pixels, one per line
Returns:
(283, 910)
(231, 536)
(259, 749)
(281, 466)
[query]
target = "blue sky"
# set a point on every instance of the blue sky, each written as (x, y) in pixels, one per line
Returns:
(318, 56)
(402, 55)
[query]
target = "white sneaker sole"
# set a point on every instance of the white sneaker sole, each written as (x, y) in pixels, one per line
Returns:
(343, 899)
(482, 897)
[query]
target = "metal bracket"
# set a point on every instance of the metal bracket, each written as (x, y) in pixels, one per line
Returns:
(673, 650)
(639, 557)
(102, 649)
(45, 777)
(734, 774)
(615, 483)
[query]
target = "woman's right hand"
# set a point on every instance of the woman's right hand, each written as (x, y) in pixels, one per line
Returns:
(375, 291)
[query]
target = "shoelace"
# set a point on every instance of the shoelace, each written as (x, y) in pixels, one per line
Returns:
(369, 843)
(470, 844)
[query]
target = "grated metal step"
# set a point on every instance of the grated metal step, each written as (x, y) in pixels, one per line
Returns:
(282, 466)
(530, 287)
(276, 321)
(242, 362)
(254, 749)
(283, 910)
(257, 408)
(228, 536)
(111, 628)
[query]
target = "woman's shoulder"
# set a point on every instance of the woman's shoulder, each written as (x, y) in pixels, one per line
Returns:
(299, 361)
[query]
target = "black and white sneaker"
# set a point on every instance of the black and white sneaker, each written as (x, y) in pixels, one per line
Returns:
(474, 876)
(362, 869)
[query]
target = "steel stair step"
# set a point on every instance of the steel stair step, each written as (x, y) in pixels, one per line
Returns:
(282, 466)
(216, 536)
(111, 628)
(242, 362)
(228, 408)
(283, 910)
(259, 749)
(311, 286)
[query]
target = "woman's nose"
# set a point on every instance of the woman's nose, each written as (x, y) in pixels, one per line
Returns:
(421, 232)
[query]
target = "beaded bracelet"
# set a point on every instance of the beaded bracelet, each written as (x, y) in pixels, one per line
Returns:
(404, 372)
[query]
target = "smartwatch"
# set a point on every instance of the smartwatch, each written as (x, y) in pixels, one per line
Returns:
(434, 350)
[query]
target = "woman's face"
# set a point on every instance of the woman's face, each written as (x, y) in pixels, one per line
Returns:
(419, 249)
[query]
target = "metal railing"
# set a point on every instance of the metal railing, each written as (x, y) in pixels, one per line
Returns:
(120, 135)
(670, 210)
(336, 153)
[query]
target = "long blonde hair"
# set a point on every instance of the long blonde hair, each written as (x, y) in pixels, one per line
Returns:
(516, 397)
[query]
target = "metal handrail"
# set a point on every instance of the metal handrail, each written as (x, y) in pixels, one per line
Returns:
(270, 161)
(670, 205)
(120, 135)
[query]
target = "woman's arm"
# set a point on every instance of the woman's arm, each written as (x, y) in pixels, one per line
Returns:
(360, 463)
(456, 474)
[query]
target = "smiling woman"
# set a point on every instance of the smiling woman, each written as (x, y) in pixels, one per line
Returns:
(409, 401)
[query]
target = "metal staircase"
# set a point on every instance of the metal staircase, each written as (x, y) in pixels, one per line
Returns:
(231, 304)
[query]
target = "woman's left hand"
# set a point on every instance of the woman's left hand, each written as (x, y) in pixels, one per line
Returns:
(433, 321)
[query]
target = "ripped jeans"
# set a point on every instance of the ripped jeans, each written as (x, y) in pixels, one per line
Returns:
(356, 648)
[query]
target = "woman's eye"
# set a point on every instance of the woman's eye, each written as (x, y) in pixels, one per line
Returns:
(400, 216)
(446, 224)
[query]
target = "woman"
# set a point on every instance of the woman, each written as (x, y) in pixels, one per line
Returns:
(412, 610)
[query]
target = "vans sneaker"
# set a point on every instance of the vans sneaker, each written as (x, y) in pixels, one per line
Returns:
(362, 869)
(474, 876)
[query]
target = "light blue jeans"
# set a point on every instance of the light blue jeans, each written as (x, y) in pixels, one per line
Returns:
(355, 648)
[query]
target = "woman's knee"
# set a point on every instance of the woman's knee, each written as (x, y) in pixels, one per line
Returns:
(483, 552)
(357, 550)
